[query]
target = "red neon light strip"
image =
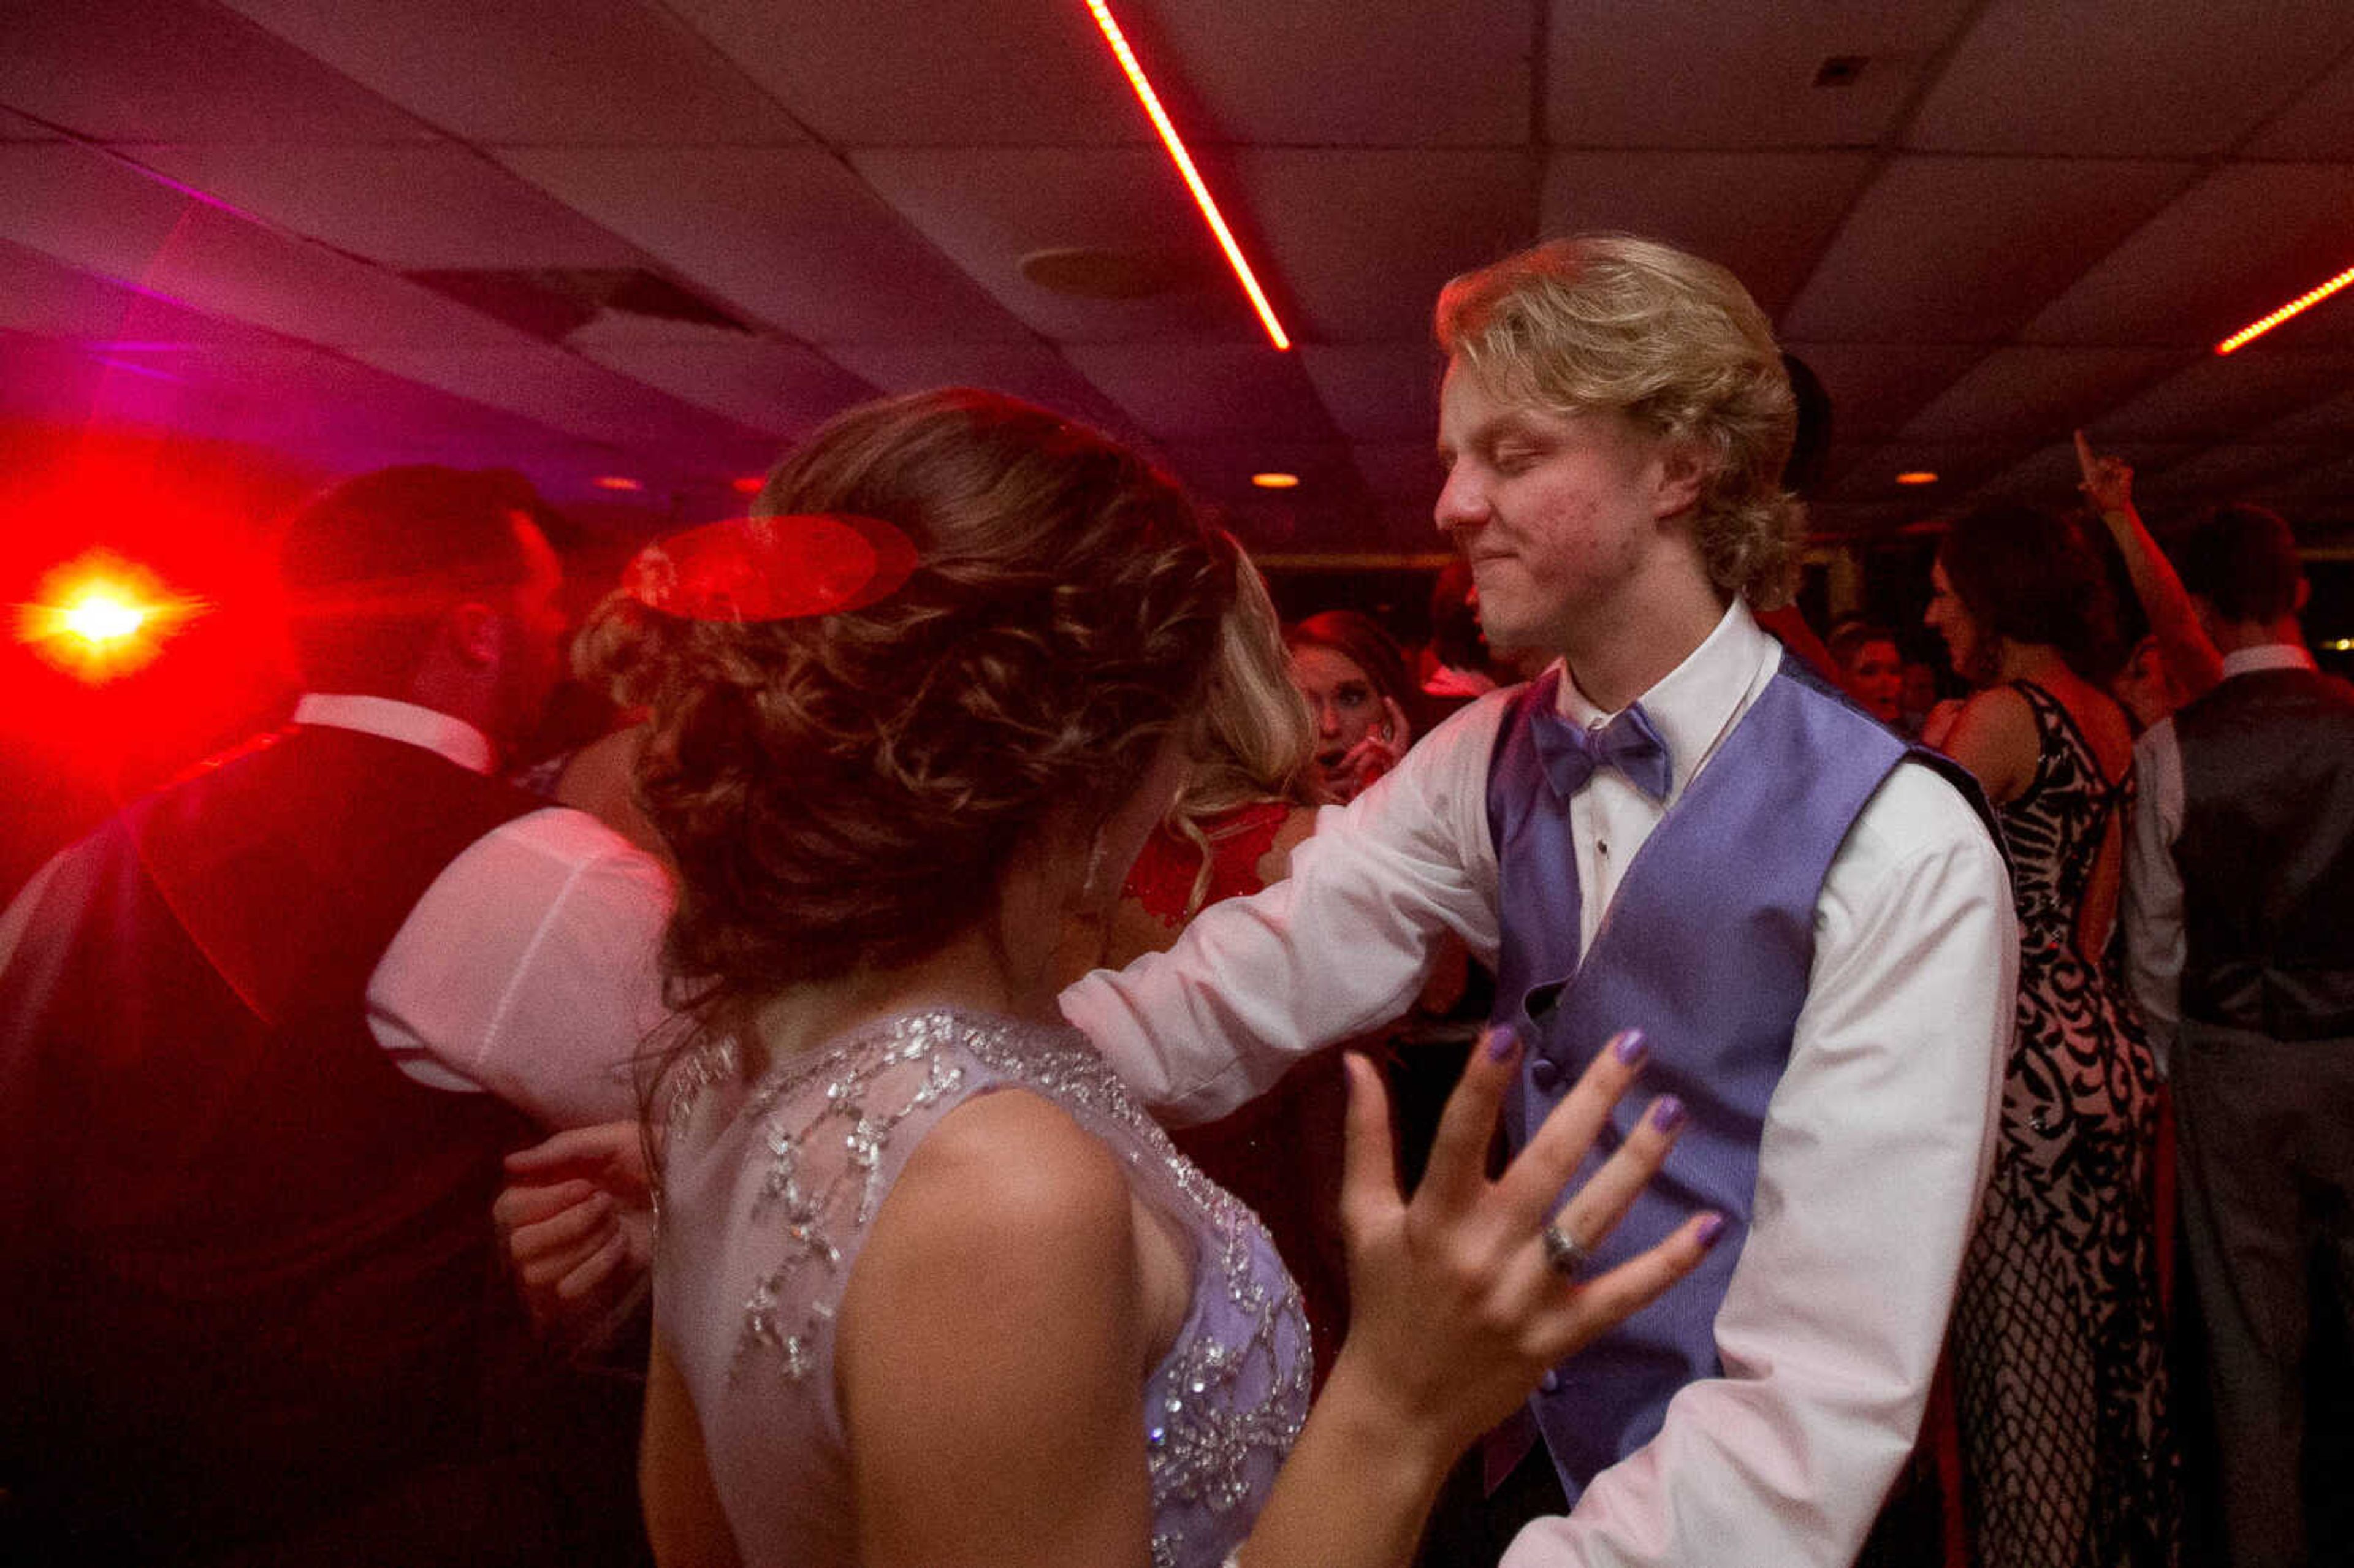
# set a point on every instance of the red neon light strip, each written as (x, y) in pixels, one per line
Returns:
(2303, 302)
(1185, 162)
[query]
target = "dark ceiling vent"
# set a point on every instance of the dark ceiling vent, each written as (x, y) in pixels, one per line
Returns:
(552, 303)
(1840, 70)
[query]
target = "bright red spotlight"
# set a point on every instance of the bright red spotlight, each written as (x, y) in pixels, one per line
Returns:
(100, 617)
(747, 485)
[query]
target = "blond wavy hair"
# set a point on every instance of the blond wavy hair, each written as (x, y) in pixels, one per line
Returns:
(1610, 322)
(842, 792)
(1255, 739)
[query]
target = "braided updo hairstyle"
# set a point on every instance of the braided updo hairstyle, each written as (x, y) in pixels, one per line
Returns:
(841, 791)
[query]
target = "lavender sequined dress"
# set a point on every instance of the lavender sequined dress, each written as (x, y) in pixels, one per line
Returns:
(769, 1189)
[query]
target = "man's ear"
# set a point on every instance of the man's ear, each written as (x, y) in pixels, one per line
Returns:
(1682, 476)
(475, 633)
(2303, 593)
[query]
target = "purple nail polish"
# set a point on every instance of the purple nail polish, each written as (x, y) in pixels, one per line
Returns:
(1668, 1114)
(1501, 1042)
(1711, 1230)
(1630, 1045)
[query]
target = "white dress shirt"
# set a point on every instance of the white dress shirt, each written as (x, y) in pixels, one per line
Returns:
(2151, 909)
(526, 971)
(1876, 1144)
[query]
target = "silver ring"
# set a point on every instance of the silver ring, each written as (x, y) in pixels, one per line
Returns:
(1565, 1252)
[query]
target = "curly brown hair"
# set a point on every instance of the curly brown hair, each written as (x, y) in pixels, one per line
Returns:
(843, 792)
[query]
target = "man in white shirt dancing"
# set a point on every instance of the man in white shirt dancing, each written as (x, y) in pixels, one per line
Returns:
(264, 1038)
(1674, 830)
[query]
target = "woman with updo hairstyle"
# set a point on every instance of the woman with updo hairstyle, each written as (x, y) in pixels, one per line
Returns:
(930, 1286)
(2067, 1452)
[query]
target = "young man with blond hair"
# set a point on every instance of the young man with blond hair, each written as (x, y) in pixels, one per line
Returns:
(1677, 830)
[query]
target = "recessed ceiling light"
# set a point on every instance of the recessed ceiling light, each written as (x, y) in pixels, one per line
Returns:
(747, 485)
(616, 481)
(1085, 274)
(1916, 476)
(1275, 481)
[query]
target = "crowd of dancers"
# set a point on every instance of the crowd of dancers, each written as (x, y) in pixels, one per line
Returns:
(1005, 1052)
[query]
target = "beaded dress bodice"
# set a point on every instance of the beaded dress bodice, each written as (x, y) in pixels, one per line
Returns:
(769, 1189)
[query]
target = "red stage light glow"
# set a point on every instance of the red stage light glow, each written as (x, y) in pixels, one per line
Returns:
(1142, 86)
(100, 617)
(2298, 306)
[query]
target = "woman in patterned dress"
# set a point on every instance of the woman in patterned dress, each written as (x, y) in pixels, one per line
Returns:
(929, 1288)
(2067, 1458)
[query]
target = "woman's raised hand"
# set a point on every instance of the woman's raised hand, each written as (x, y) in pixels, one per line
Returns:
(577, 1212)
(1460, 1300)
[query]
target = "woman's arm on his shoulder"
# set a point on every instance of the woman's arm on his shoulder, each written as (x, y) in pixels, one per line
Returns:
(992, 1350)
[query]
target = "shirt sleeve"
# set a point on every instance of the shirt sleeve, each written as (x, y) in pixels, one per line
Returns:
(1338, 948)
(1876, 1146)
(530, 969)
(2151, 909)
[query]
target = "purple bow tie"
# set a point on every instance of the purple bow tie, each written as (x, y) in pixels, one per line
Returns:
(1571, 752)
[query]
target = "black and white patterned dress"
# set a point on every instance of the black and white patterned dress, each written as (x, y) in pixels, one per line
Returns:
(2068, 1459)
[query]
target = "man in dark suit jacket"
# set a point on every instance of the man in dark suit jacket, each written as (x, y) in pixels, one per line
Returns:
(264, 1038)
(2239, 881)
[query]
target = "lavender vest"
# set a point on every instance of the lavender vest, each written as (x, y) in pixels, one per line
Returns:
(1707, 947)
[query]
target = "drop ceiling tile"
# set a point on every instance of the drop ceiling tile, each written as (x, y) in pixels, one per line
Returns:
(38, 294)
(1773, 211)
(1366, 74)
(2222, 473)
(1958, 465)
(1730, 74)
(1204, 391)
(1356, 244)
(2244, 239)
(1219, 473)
(169, 70)
(2035, 393)
(17, 128)
(541, 72)
(889, 73)
(985, 208)
(2221, 395)
(1377, 391)
(1962, 250)
(1874, 388)
(570, 394)
(1406, 474)
(2181, 79)
(779, 388)
(2318, 125)
(456, 208)
(1027, 370)
(786, 234)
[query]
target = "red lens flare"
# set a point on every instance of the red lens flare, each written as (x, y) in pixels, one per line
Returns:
(100, 617)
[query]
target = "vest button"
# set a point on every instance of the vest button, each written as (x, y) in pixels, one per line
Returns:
(1551, 1382)
(1543, 1073)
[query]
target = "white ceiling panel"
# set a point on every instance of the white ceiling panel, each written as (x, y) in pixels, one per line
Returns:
(457, 208)
(1357, 244)
(171, 70)
(1206, 391)
(2029, 393)
(1773, 210)
(915, 73)
(786, 233)
(1368, 74)
(2244, 239)
(2221, 395)
(570, 394)
(1874, 388)
(2319, 125)
(1731, 73)
(985, 208)
(2221, 473)
(1028, 370)
(2176, 78)
(40, 294)
(1962, 250)
(537, 72)
(17, 128)
(1377, 391)
(775, 388)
